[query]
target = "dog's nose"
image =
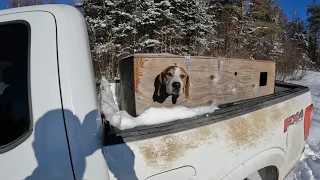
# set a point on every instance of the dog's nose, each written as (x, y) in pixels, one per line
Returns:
(176, 85)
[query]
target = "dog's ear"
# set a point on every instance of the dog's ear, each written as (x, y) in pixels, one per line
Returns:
(159, 83)
(186, 88)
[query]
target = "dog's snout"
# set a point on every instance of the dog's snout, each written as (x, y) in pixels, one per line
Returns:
(176, 85)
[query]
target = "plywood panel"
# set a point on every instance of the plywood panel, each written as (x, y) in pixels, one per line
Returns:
(237, 79)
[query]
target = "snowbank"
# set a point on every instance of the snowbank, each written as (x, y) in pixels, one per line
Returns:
(152, 116)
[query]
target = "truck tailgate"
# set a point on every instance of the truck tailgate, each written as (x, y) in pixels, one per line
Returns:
(213, 145)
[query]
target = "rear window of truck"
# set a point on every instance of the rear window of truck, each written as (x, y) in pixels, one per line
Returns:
(14, 92)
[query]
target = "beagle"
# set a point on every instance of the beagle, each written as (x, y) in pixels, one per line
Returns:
(174, 81)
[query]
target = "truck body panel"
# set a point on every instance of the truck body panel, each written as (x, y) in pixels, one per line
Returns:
(217, 149)
(79, 95)
(29, 158)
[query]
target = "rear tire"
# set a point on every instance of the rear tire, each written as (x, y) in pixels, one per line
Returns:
(267, 173)
(254, 176)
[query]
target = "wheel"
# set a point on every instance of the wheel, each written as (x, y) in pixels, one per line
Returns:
(254, 176)
(267, 173)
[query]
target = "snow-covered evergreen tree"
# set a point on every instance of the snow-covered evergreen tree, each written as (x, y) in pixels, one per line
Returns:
(123, 27)
(113, 24)
(254, 29)
(266, 42)
(296, 31)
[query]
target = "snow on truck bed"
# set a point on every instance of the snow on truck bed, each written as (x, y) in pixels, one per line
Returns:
(309, 165)
(152, 116)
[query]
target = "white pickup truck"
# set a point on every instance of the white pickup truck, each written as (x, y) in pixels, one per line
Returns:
(50, 125)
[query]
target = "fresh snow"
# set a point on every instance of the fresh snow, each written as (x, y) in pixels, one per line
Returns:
(165, 3)
(152, 116)
(309, 166)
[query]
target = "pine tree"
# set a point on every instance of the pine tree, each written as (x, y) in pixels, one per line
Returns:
(267, 34)
(313, 12)
(296, 32)
(152, 26)
(206, 35)
(233, 27)
(100, 23)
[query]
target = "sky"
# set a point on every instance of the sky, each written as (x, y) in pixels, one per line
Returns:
(299, 5)
(3, 3)
(288, 6)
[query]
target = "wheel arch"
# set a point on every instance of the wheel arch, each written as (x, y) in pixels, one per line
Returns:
(265, 160)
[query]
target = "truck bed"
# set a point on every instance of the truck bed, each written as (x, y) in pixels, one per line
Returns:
(230, 143)
(283, 91)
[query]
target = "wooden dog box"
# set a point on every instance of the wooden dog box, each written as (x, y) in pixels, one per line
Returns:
(211, 81)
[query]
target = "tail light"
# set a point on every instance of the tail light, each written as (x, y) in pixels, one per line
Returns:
(307, 121)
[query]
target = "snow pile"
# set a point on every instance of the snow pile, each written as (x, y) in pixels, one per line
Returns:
(107, 102)
(152, 116)
(150, 42)
(309, 166)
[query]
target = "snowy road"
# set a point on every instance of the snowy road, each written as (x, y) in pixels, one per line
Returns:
(309, 166)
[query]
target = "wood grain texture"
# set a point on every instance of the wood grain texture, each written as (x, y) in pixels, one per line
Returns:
(236, 80)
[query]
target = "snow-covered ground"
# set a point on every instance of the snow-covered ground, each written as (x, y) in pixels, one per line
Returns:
(309, 165)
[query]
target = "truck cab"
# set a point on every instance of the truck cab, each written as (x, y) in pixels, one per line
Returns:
(50, 123)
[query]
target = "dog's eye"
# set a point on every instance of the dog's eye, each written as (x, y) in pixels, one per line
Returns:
(182, 76)
(169, 74)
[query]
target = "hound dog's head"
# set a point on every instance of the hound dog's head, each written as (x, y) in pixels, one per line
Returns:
(175, 81)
